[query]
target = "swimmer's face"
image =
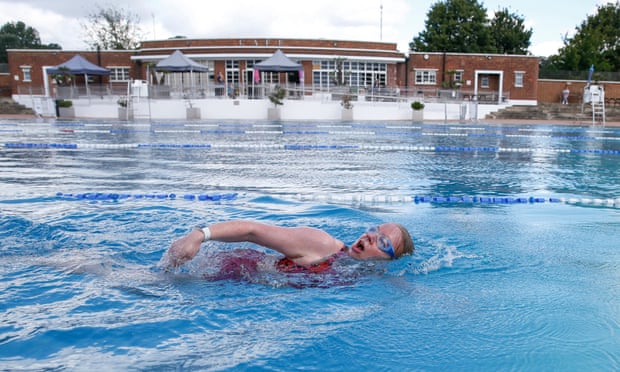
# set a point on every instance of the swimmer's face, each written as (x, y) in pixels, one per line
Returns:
(377, 243)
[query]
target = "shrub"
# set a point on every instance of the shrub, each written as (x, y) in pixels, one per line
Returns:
(277, 95)
(65, 103)
(122, 101)
(417, 105)
(345, 102)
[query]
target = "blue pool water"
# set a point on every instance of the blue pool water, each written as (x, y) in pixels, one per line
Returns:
(517, 262)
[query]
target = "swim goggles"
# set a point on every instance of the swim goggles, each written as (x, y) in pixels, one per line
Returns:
(383, 242)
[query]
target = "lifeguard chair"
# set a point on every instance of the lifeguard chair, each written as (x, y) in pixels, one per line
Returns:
(595, 96)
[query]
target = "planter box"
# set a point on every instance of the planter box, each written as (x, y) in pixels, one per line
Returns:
(66, 112)
(417, 116)
(192, 113)
(273, 113)
(347, 114)
(125, 114)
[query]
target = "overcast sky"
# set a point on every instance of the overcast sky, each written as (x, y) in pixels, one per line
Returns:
(395, 21)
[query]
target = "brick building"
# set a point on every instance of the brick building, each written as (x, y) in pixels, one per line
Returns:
(360, 63)
(27, 73)
(489, 77)
(354, 64)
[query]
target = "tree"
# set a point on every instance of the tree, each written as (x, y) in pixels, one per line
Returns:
(16, 35)
(462, 26)
(509, 33)
(596, 42)
(112, 28)
(454, 26)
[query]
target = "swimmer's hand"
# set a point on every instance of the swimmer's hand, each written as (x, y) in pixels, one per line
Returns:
(182, 250)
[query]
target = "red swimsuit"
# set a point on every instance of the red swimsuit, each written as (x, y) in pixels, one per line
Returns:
(286, 265)
(243, 263)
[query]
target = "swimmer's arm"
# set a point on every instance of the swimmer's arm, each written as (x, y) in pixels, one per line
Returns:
(305, 245)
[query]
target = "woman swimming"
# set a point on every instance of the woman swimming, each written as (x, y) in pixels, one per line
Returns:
(305, 249)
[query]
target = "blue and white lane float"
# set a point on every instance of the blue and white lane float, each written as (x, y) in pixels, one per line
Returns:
(300, 147)
(453, 200)
(100, 196)
(351, 198)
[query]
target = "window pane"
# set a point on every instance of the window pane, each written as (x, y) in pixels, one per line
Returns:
(26, 73)
(519, 79)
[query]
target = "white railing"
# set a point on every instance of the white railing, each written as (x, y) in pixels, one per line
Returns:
(262, 91)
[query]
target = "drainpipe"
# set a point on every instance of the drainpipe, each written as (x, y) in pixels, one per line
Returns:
(443, 69)
(99, 64)
(407, 59)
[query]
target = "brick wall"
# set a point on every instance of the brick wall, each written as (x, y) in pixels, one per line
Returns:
(5, 85)
(549, 90)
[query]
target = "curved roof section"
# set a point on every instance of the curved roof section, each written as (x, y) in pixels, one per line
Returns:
(261, 48)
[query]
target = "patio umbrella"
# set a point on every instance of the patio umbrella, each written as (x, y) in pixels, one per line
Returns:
(78, 65)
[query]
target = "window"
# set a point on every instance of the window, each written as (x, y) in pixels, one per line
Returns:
(484, 81)
(458, 76)
(426, 77)
(519, 79)
(232, 72)
(26, 73)
(270, 77)
(352, 73)
(249, 70)
(210, 75)
(119, 73)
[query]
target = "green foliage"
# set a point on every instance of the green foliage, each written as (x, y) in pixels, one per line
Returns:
(16, 35)
(509, 33)
(64, 78)
(112, 29)
(25, 36)
(338, 75)
(462, 26)
(122, 101)
(450, 83)
(596, 42)
(345, 101)
(454, 26)
(65, 103)
(277, 96)
(417, 106)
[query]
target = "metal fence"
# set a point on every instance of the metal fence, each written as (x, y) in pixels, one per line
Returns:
(578, 75)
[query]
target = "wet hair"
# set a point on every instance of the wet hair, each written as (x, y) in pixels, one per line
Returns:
(406, 243)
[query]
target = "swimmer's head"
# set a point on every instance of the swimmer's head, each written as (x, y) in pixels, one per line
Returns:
(386, 241)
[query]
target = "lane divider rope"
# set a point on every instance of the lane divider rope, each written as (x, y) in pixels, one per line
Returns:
(305, 147)
(610, 202)
(160, 196)
(352, 198)
(237, 131)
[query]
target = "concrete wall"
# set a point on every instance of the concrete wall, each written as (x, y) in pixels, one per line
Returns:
(244, 109)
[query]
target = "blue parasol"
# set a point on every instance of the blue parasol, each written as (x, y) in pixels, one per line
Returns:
(590, 75)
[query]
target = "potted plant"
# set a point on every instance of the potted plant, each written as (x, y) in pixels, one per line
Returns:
(64, 81)
(347, 107)
(276, 97)
(124, 110)
(191, 112)
(65, 108)
(418, 111)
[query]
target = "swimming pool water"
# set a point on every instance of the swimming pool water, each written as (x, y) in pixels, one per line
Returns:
(516, 264)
